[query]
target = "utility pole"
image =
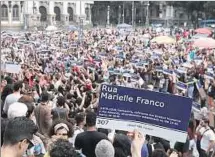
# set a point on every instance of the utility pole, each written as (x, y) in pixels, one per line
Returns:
(119, 19)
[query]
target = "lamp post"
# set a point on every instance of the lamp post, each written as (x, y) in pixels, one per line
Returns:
(119, 20)
(147, 13)
(133, 13)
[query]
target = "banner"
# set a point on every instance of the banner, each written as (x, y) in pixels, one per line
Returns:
(167, 72)
(201, 90)
(209, 76)
(152, 113)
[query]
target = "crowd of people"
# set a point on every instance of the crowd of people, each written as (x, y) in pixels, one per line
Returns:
(50, 99)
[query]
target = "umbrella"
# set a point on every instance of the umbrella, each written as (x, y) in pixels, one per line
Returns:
(124, 26)
(72, 28)
(204, 43)
(164, 40)
(203, 31)
(51, 28)
(197, 36)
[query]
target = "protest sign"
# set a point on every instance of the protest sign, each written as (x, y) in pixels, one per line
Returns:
(153, 113)
(12, 68)
(201, 90)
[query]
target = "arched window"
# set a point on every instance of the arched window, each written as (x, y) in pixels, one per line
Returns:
(87, 13)
(4, 12)
(57, 12)
(15, 12)
(70, 12)
(43, 13)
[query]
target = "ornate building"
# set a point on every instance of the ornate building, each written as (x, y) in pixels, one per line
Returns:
(139, 13)
(27, 14)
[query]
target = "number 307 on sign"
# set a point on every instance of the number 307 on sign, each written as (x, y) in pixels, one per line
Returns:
(102, 121)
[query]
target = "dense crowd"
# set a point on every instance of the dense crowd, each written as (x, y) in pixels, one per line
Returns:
(49, 102)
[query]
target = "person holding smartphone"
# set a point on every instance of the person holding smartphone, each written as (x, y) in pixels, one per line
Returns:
(207, 138)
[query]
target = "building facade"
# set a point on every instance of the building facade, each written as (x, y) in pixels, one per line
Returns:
(161, 12)
(138, 13)
(27, 14)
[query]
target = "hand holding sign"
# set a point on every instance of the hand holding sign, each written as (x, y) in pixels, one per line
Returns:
(137, 144)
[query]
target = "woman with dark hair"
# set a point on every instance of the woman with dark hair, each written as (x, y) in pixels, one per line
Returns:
(60, 129)
(8, 89)
(122, 145)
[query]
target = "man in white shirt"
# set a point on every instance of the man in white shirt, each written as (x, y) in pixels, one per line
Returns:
(208, 138)
(80, 122)
(14, 97)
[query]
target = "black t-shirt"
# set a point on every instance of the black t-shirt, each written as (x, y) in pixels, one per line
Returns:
(87, 142)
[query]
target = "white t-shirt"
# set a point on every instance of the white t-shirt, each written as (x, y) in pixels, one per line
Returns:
(193, 147)
(76, 132)
(207, 136)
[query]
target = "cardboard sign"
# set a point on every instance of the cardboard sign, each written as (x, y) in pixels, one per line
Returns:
(12, 68)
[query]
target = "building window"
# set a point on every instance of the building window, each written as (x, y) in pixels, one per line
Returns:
(57, 12)
(15, 12)
(70, 12)
(87, 13)
(158, 11)
(43, 13)
(4, 13)
(181, 15)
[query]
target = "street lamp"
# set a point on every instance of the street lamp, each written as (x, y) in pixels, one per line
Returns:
(119, 20)
(147, 13)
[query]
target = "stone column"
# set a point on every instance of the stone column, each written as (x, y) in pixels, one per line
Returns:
(172, 12)
(65, 15)
(90, 17)
(108, 15)
(51, 14)
(10, 17)
(160, 10)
